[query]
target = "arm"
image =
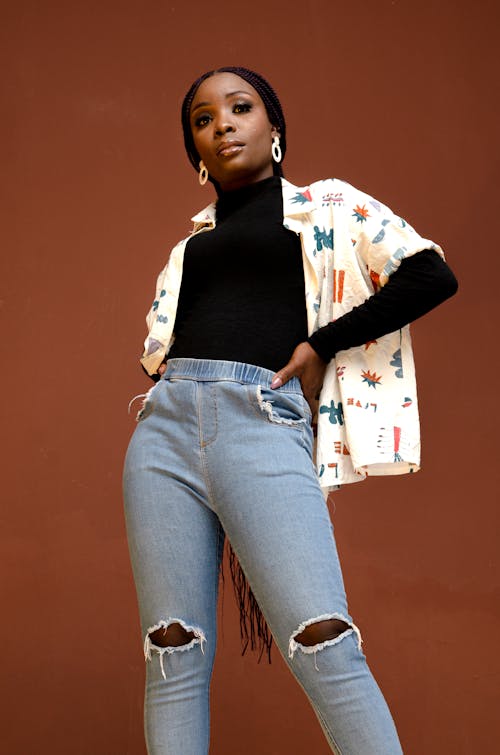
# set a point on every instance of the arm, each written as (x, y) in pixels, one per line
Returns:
(419, 284)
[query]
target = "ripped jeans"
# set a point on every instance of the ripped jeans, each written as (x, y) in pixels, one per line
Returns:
(216, 453)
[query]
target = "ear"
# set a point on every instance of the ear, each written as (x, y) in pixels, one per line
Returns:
(274, 132)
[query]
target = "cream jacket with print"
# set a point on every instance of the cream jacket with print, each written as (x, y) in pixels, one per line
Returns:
(368, 421)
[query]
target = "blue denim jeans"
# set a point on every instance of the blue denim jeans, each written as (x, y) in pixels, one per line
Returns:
(216, 452)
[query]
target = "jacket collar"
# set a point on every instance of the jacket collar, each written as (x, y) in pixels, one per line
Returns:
(205, 217)
(297, 201)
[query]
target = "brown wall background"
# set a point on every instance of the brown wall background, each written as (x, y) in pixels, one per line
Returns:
(398, 98)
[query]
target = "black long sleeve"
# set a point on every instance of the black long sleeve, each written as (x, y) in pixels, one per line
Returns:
(419, 284)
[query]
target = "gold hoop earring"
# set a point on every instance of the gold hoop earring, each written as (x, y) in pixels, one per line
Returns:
(203, 174)
(276, 150)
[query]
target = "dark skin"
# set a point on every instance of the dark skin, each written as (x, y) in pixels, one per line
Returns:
(233, 136)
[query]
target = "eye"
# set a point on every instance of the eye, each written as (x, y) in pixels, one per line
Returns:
(201, 120)
(242, 107)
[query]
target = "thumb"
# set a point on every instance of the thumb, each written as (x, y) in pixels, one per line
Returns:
(282, 376)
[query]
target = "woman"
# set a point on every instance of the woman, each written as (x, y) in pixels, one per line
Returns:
(224, 444)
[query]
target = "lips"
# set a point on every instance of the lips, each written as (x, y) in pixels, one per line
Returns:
(229, 147)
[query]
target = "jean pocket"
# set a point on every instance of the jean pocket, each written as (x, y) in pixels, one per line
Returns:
(280, 407)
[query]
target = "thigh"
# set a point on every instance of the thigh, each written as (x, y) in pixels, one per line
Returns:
(175, 540)
(275, 515)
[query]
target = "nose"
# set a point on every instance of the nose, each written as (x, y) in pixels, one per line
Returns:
(223, 126)
(223, 129)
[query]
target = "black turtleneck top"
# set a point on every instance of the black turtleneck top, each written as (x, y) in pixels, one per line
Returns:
(242, 297)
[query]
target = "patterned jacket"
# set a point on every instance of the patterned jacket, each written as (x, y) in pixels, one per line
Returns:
(368, 421)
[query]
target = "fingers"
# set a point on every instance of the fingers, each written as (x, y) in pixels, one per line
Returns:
(308, 366)
(302, 360)
(162, 368)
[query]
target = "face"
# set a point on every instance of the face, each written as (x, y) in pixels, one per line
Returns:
(231, 131)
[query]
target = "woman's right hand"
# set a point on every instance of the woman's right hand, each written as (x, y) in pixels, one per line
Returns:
(162, 368)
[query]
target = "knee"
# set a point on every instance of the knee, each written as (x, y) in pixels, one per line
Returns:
(173, 635)
(321, 631)
(317, 634)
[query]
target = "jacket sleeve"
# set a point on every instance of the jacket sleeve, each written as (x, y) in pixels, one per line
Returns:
(381, 238)
(406, 273)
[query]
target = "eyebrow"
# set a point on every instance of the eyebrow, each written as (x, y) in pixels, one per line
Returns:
(229, 94)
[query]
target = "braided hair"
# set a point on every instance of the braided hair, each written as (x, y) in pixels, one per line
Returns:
(267, 95)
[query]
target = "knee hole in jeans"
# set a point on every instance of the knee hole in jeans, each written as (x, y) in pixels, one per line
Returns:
(172, 636)
(321, 631)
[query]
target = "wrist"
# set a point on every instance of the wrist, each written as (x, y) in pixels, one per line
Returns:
(318, 350)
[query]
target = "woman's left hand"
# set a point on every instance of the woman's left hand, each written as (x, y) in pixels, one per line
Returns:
(308, 366)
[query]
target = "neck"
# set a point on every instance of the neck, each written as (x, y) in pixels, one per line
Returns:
(240, 183)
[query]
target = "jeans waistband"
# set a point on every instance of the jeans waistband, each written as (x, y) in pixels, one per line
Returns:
(215, 369)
